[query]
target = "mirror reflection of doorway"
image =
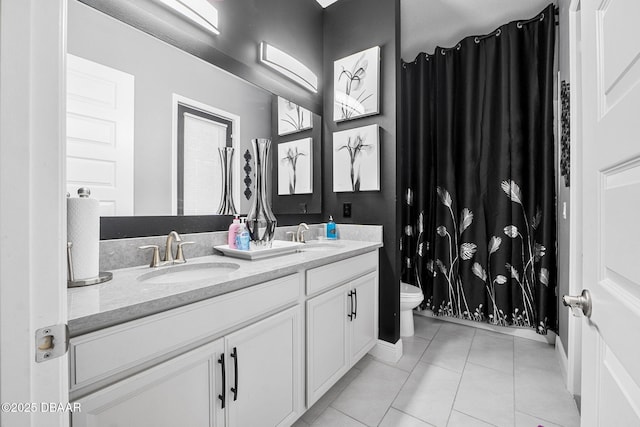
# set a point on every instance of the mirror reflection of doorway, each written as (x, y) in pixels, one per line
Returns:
(100, 133)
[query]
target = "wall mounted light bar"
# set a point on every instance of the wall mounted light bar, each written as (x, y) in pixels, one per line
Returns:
(199, 11)
(288, 66)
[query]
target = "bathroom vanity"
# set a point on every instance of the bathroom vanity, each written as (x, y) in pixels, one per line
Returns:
(255, 345)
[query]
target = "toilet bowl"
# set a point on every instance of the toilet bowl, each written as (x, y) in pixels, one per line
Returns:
(410, 297)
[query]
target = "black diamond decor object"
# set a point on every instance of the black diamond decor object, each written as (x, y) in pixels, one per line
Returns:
(247, 178)
(565, 138)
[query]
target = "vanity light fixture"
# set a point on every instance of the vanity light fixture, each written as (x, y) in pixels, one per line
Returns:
(288, 66)
(199, 11)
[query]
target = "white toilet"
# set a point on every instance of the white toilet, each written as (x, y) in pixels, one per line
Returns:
(410, 297)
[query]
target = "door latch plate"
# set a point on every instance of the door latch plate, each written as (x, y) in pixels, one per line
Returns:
(51, 342)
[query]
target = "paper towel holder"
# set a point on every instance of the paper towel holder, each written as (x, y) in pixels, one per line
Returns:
(103, 276)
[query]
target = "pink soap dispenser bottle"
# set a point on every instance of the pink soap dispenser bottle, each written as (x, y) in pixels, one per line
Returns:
(233, 230)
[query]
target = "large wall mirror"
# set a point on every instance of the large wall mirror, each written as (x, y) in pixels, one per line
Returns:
(147, 122)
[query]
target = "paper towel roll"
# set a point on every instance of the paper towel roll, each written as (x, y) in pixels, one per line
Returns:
(83, 230)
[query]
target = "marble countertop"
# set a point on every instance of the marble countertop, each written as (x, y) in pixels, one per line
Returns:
(125, 298)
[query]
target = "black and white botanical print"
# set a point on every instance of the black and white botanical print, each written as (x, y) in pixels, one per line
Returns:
(295, 167)
(292, 118)
(356, 164)
(356, 85)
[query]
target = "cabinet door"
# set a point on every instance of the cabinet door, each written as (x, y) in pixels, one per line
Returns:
(364, 326)
(264, 372)
(327, 357)
(180, 392)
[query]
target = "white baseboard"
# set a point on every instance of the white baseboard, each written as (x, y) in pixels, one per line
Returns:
(387, 352)
(564, 363)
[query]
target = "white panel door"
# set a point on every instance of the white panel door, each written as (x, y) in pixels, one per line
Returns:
(611, 210)
(327, 341)
(180, 392)
(100, 134)
(364, 325)
(264, 372)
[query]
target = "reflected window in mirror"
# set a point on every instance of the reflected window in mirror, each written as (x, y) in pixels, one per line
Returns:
(200, 170)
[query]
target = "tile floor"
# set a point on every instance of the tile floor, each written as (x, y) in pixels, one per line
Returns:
(451, 375)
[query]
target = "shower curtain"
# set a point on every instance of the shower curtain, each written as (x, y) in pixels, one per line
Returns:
(479, 231)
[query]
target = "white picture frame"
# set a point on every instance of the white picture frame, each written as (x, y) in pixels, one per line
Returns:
(295, 167)
(356, 159)
(356, 85)
(292, 118)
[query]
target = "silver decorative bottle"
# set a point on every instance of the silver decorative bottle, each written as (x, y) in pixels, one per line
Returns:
(227, 207)
(261, 222)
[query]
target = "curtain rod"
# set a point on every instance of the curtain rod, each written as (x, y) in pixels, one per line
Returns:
(477, 39)
(540, 17)
(496, 33)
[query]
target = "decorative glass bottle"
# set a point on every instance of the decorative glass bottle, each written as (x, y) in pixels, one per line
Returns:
(261, 222)
(227, 207)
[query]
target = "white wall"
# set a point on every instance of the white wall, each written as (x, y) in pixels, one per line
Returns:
(428, 24)
(161, 70)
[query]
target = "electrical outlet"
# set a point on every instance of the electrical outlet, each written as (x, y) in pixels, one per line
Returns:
(346, 210)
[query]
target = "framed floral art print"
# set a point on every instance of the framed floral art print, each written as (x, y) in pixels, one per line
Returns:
(356, 159)
(292, 118)
(356, 83)
(295, 167)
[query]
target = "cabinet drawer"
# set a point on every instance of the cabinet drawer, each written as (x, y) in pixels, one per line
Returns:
(100, 354)
(330, 275)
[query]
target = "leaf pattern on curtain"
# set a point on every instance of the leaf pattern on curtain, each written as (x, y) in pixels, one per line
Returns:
(478, 164)
(526, 278)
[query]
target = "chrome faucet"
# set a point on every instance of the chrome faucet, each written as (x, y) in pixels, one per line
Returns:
(168, 252)
(302, 227)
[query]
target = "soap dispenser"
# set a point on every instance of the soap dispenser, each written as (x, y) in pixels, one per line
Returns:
(331, 229)
(233, 230)
(243, 238)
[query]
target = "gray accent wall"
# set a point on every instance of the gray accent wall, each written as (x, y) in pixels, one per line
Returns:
(351, 26)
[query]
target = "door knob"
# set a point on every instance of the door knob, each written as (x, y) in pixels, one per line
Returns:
(578, 304)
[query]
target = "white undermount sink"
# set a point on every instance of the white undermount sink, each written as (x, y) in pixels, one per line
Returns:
(188, 272)
(320, 246)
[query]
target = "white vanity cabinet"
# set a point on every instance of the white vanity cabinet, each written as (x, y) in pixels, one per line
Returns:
(363, 324)
(327, 329)
(237, 359)
(265, 372)
(251, 377)
(342, 323)
(167, 369)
